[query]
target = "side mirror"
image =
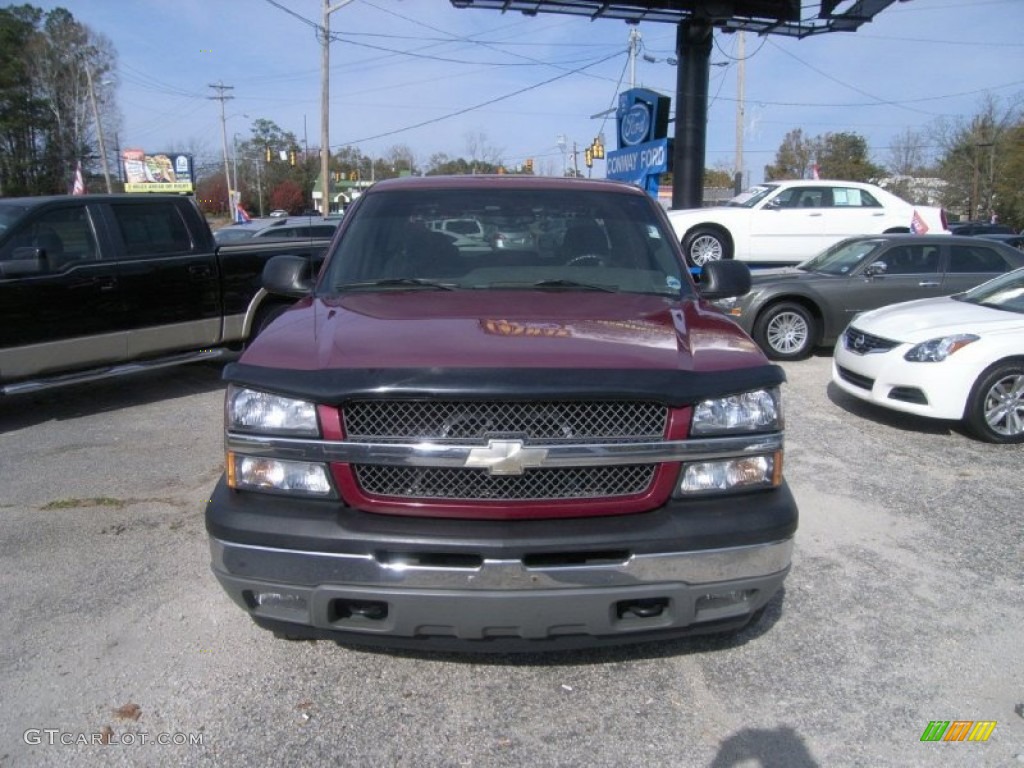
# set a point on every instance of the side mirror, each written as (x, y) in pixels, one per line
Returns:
(724, 280)
(876, 269)
(288, 276)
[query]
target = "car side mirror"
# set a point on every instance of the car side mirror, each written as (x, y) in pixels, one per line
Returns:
(876, 269)
(288, 276)
(724, 280)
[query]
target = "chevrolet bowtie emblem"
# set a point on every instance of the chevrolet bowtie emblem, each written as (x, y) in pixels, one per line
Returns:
(506, 457)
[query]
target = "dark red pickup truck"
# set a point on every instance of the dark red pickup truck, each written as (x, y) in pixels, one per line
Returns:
(451, 442)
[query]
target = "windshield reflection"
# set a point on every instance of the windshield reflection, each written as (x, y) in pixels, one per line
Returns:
(842, 258)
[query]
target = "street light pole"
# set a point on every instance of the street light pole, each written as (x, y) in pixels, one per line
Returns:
(99, 128)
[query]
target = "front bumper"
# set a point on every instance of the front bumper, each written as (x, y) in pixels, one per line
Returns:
(310, 569)
(933, 390)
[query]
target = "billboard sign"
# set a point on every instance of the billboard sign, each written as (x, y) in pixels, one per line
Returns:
(161, 172)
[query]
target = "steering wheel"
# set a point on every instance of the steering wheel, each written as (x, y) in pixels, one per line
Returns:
(586, 260)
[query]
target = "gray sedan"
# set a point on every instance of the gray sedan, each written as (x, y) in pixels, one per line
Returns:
(791, 311)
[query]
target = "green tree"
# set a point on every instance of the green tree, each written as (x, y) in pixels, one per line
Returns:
(979, 159)
(845, 156)
(46, 119)
(793, 158)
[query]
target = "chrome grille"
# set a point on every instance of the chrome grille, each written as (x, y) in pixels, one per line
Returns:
(531, 422)
(864, 343)
(479, 485)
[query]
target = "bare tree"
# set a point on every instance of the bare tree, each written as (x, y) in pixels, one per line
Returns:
(907, 153)
(480, 151)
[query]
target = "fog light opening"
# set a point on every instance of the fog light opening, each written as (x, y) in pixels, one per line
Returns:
(371, 610)
(648, 608)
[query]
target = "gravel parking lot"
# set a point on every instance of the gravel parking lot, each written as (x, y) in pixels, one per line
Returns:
(905, 605)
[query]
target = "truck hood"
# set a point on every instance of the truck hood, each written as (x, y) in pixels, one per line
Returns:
(502, 329)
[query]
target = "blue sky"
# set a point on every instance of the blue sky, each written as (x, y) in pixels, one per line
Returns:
(424, 74)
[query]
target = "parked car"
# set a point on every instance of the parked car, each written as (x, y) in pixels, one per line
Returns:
(1015, 241)
(790, 311)
(298, 227)
(958, 357)
(278, 213)
(980, 228)
(468, 228)
(786, 222)
(288, 228)
(510, 233)
(93, 286)
(437, 448)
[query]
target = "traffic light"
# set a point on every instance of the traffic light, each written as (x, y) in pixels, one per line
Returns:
(291, 157)
(588, 156)
(528, 165)
(268, 155)
(597, 149)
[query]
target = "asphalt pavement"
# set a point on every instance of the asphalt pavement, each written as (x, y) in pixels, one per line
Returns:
(905, 606)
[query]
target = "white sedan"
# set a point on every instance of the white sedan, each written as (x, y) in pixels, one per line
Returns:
(786, 222)
(957, 357)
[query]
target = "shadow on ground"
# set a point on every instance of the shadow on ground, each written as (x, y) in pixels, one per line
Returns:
(78, 400)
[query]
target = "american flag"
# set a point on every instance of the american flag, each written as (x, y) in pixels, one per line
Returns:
(78, 183)
(918, 225)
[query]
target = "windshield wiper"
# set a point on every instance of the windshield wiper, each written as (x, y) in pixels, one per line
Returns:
(573, 285)
(397, 282)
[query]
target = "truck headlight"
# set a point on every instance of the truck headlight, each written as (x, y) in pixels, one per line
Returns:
(756, 411)
(264, 474)
(741, 473)
(249, 410)
(937, 350)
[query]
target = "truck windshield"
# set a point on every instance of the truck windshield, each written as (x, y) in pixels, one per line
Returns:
(553, 239)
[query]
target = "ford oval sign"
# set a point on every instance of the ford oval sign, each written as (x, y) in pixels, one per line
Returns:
(636, 124)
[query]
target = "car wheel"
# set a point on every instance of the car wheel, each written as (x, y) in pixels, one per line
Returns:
(706, 244)
(786, 331)
(995, 410)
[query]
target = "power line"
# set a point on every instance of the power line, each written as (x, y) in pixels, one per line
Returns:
(482, 104)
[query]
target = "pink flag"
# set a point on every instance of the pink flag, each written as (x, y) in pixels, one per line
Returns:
(814, 172)
(918, 225)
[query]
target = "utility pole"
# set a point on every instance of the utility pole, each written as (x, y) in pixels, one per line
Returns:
(634, 46)
(220, 88)
(325, 93)
(99, 128)
(740, 111)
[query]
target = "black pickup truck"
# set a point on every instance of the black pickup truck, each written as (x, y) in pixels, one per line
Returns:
(93, 286)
